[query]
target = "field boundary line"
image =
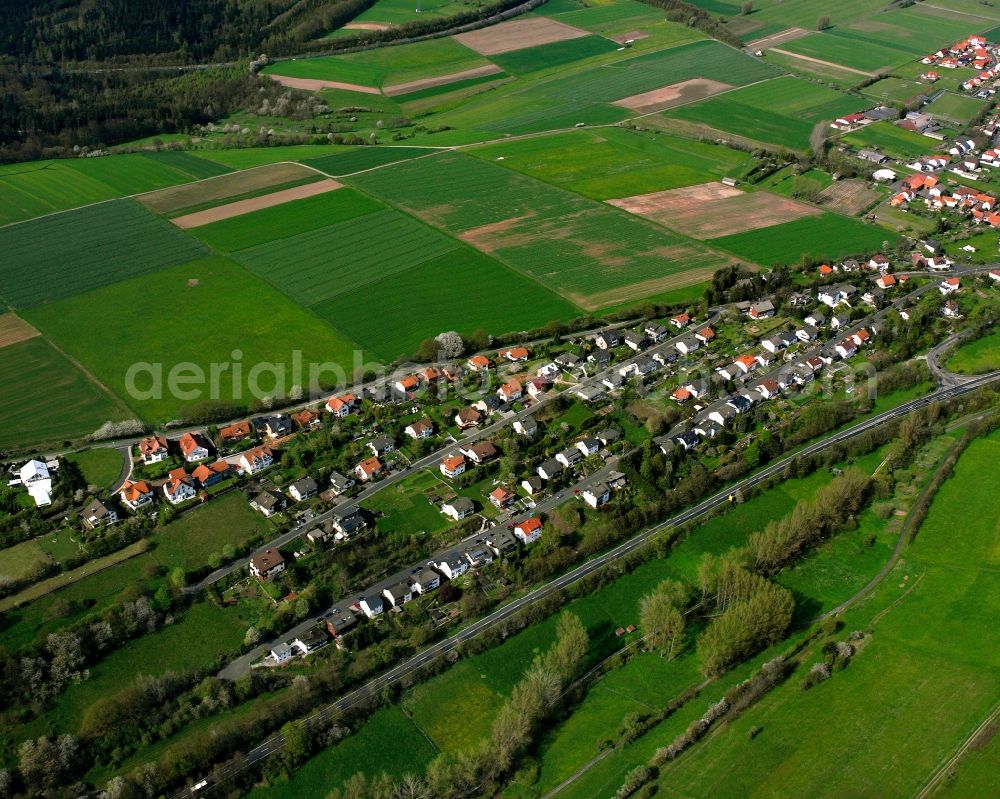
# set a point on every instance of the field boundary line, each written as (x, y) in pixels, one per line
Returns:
(820, 61)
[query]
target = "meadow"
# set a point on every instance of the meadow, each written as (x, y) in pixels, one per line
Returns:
(398, 12)
(404, 508)
(897, 90)
(101, 466)
(225, 309)
(286, 220)
(782, 112)
(826, 236)
(828, 73)
(592, 254)
(976, 357)
(890, 139)
(190, 540)
(42, 187)
(63, 255)
(249, 157)
(615, 162)
(46, 399)
(925, 644)
(462, 290)
(21, 560)
(387, 730)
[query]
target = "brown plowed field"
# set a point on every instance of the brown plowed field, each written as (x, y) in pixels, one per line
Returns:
(709, 210)
(517, 34)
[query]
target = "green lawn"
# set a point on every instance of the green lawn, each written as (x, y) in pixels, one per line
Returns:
(189, 540)
(225, 309)
(781, 112)
(616, 162)
(929, 645)
(101, 467)
(388, 742)
(897, 90)
(956, 107)
(405, 509)
(976, 357)
(59, 546)
(67, 254)
(826, 236)
(44, 398)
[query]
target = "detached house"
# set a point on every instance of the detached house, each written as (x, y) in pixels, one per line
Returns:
(267, 564)
(453, 466)
(422, 428)
(680, 321)
(511, 391)
(514, 354)
(597, 494)
(340, 483)
(458, 508)
(269, 502)
(452, 565)
(502, 497)
(950, 285)
(528, 531)
(136, 494)
(209, 474)
(256, 460)
(234, 433)
(98, 514)
(342, 406)
(468, 417)
(478, 363)
(193, 447)
(761, 310)
(179, 487)
(368, 469)
(303, 489)
(381, 446)
(608, 339)
(153, 449)
(480, 452)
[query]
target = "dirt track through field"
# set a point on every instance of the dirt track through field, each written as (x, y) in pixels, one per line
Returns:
(632, 36)
(709, 210)
(13, 330)
(242, 207)
(768, 42)
(820, 61)
(517, 34)
(441, 80)
(314, 84)
(676, 93)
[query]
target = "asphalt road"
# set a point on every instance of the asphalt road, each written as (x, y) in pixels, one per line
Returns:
(371, 688)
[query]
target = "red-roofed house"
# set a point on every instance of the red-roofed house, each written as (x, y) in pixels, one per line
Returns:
(681, 394)
(210, 474)
(408, 384)
(368, 469)
(680, 321)
(193, 446)
(341, 406)
(135, 494)
(256, 460)
(514, 354)
(886, 281)
(153, 449)
(528, 531)
(949, 285)
(502, 497)
(179, 486)
(234, 432)
(452, 466)
(510, 391)
(705, 335)
(478, 363)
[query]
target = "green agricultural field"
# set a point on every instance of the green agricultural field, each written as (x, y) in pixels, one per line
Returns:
(591, 253)
(783, 181)
(249, 157)
(388, 731)
(101, 466)
(315, 266)
(925, 643)
(634, 74)
(45, 398)
(455, 291)
(386, 66)
(203, 633)
(41, 187)
(956, 107)
(614, 162)
(827, 73)
(916, 29)
(847, 51)
(977, 357)
(64, 255)
(225, 309)
(364, 158)
(60, 546)
(826, 236)
(286, 220)
(226, 521)
(804, 13)
(555, 54)
(891, 139)
(782, 112)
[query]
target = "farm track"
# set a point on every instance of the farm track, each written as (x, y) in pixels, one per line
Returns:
(820, 61)
(944, 771)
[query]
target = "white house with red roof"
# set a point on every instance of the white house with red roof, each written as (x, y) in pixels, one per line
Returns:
(193, 447)
(950, 285)
(528, 531)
